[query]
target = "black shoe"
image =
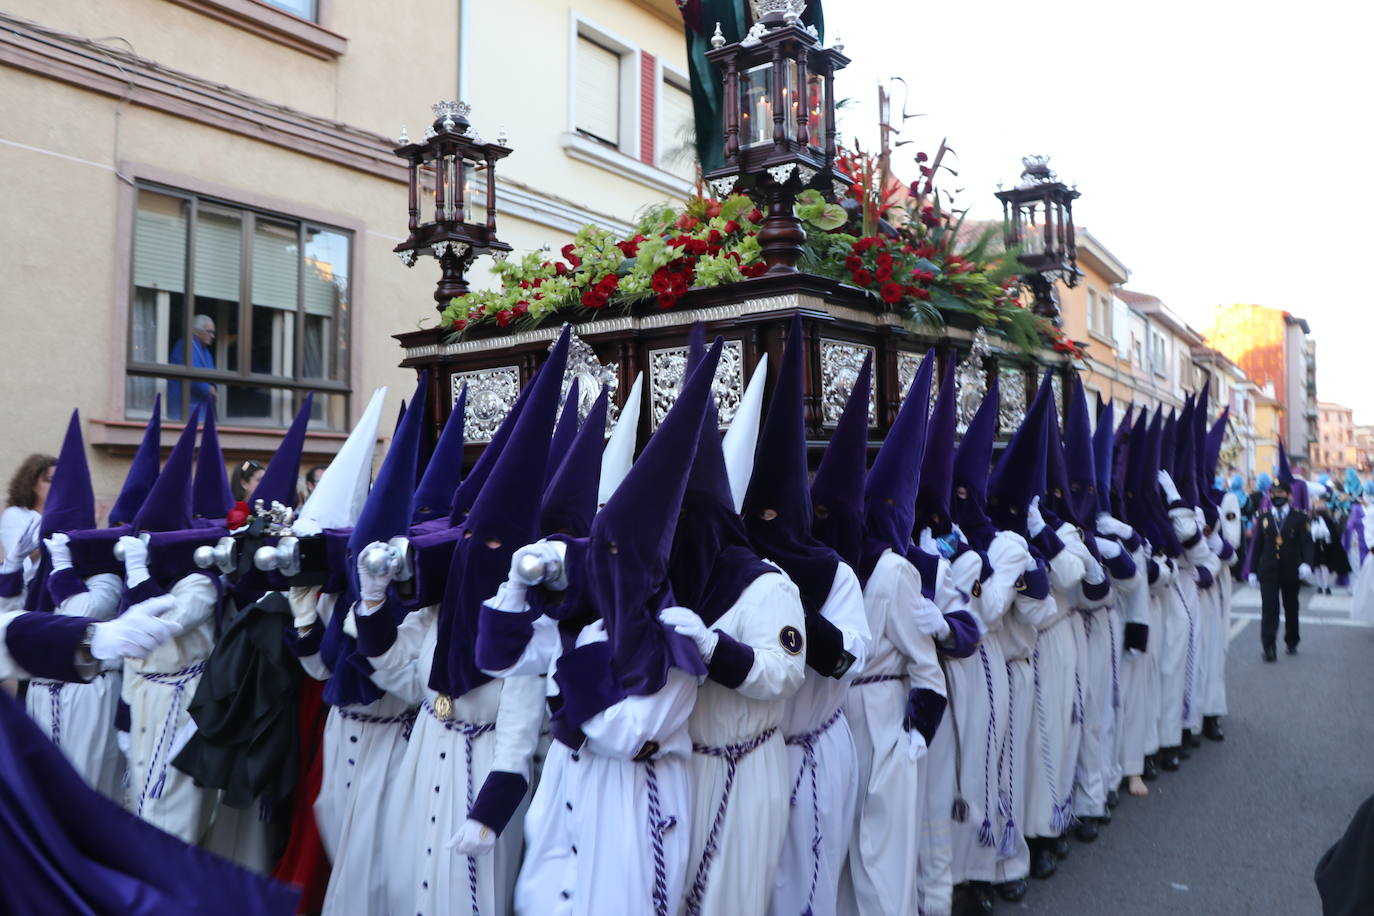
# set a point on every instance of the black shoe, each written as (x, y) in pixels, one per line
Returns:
(1184, 744)
(1011, 891)
(1113, 799)
(1211, 727)
(1150, 772)
(1270, 655)
(1060, 845)
(1106, 817)
(1168, 758)
(1043, 863)
(977, 898)
(1293, 649)
(1194, 738)
(1086, 831)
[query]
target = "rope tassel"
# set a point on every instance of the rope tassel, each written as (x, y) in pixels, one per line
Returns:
(1008, 846)
(985, 837)
(959, 811)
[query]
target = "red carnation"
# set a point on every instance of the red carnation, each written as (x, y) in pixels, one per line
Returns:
(755, 216)
(921, 157)
(922, 294)
(712, 208)
(696, 247)
(731, 227)
(853, 262)
(238, 516)
(883, 274)
(522, 308)
(687, 221)
(568, 255)
(667, 300)
(560, 269)
(891, 292)
(884, 259)
(660, 282)
(862, 277)
(504, 317)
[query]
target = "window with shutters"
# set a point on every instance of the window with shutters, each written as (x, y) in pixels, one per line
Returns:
(247, 307)
(677, 130)
(598, 91)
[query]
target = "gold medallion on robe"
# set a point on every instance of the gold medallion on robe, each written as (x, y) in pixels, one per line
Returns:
(443, 707)
(790, 639)
(1278, 540)
(978, 589)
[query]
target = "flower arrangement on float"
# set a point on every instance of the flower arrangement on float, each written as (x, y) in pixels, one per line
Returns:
(907, 247)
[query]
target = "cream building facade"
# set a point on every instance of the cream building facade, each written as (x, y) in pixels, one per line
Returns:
(176, 167)
(1336, 448)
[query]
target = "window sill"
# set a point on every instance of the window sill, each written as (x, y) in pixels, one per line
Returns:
(122, 437)
(613, 160)
(1103, 339)
(274, 25)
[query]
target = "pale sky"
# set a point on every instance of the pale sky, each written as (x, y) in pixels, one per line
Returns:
(1224, 149)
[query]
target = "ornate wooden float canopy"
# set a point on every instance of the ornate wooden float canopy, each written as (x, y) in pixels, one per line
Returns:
(841, 325)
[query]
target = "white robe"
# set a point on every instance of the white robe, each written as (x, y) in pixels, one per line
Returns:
(880, 874)
(159, 690)
(1136, 680)
(822, 762)
(1171, 660)
(492, 727)
(750, 824)
(1216, 627)
(80, 717)
(980, 704)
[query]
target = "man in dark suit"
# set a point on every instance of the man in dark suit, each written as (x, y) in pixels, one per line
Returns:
(1281, 561)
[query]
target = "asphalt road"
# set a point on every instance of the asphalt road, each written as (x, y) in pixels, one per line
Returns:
(1240, 826)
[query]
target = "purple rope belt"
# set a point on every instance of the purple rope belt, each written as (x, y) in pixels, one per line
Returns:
(470, 732)
(406, 718)
(875, 679)
(1191, 660)
(1006, 802)
(985, 834)
(161, 759)
(1058, 816)
(54, 689)
(1116, 682)
(658, 826)
(732, 754)
(807, 743)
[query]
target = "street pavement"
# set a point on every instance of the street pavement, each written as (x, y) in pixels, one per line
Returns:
(1240, 826)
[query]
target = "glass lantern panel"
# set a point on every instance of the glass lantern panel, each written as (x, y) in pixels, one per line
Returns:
(425, 199)
(1032, 229)
(756, 105)
(790, 99)
(817, 118)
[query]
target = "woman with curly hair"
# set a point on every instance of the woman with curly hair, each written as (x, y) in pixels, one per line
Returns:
(19, 522)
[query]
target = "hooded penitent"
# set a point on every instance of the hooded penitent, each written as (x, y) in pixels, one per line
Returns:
(1297, 487)
(503, 518)
(1121, 463)
(625, 571)
(338, 497)
(1080, 460)
(742, 438)
(712, 561)
(1211, 453)
(620, 448)
(1104, 458)
(211, 498)
(1207, 498)
(166, 515)
(142, 471)
(1054, 499)
(937, 466)
(1152, 496)
(972, 465)
(1020, 472)
(70, 508)
(891, 485)
(777, 504)
(837, 491)
(1185, 462)
(434, 495)
(385, 515)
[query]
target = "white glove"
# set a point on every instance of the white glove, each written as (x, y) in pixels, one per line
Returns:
(59, 551)
(27, 544)
(1113, 526)
(371, 588)
(1167, 484)
(1253, 581)
(136, 632)
(135, 560)
(549, 556)
(473, 839)
(1109, 549)
(1035, 522)
(687, 622)
(930, 621)
(1305, 573)
(915, 745)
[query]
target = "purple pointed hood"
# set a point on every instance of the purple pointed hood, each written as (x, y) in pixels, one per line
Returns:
(712, 560)
(1121, 463)
(142, 471)
(837, 490)
(972, 467)
(1019, 475)
(1168, 442)
(570, 498)
(777, 505)
(1080, 457)
(1215, 437)
(891, 485)
(1185, 461)
(71, 498)
(211, 497)
(279, 481)
(1103, 450)
(504, 518)
(563, 434)
(434, 495)
(1054, 500)
(1285, 475)
(627, 578)
(168, 506)
(937, 467)
(1140, 489)
(1153, 495)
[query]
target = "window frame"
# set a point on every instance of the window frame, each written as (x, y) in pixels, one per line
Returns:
(628, 120)
(161, 181)
(666, 74)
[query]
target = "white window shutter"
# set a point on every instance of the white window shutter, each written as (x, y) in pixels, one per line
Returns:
(598, 91)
